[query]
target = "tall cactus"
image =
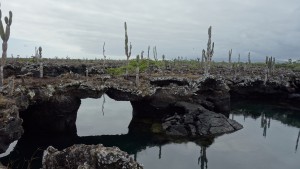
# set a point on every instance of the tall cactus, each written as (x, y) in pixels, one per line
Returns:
(229, 58)
(104, 56)
(239, 60)
(148, 52)
(155, 53)
(249, 58)
(208, 53)
(229, 55)
(4, 36)
(270, 66)
(148, 60)
(41, 62)
(137, 71)
(127, 52)
(142, 55)
(164, 67)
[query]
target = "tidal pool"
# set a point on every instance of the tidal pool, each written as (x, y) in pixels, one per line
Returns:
(269, 139)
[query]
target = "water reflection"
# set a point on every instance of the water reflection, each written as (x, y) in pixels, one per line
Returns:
(202, 160)
(243, 149)
(296, 148)
(29, 149)
(103, 104)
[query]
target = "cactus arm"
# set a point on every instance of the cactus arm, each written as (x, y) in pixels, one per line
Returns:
(7, 32)
(130, 47)
(10, 18)
(1, 27)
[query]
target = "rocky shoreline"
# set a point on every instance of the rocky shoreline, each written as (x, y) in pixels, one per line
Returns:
(185, 106)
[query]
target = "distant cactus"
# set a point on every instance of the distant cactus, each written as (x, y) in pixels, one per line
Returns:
(4, 36)
(270, 67)
(41, 62)
(249, 58)
(142, 55)
(164, 64)
(155, 53)
(148, 60)
(104, 56)
(137, 78)
(208, 53)
(229, 56)
(148, 56)
(239, 60)
(127, 52)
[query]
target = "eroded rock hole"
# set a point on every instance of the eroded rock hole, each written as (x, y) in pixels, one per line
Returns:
(103, 116)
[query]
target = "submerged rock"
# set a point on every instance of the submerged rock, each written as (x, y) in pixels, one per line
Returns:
(88, 157)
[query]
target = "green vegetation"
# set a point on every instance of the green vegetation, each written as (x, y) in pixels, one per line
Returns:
(131, 67)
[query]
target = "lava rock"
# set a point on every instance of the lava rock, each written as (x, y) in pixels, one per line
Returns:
(88, 157)
(197, 121)
(10, 127)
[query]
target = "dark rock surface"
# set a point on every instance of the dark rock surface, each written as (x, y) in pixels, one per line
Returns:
(88, 157)
(10, 126)
(194, 120)
(54, 117)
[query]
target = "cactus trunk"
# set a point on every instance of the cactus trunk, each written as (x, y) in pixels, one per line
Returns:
(41, 70)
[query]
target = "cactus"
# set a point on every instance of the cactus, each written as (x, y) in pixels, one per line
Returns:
(142, 55)
(155, 53)
(137, 78)
(164, 64)
(127, 52)
(148, 56)
(148, 60)
(41, 62)
(239, 60)
(249, 59)
(4, 36)
(208, 53)
(229, 56)
(270, 67)
(104, 56)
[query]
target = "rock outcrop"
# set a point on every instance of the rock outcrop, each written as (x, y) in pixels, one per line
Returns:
(55, 117)
(194, 120)
(88, 157)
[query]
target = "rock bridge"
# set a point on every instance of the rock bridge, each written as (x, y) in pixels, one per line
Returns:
(180, 107)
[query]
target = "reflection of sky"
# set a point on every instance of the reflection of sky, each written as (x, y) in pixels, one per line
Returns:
(10, 148)
(91, 121)
(246, 149)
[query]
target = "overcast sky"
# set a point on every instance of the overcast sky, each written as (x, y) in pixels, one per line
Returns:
(78, 28)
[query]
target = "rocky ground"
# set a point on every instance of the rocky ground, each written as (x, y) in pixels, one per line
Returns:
(186, 103)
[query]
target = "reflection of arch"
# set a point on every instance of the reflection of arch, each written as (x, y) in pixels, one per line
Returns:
(131, 143)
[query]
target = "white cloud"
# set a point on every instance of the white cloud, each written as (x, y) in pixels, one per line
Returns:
(78, 28)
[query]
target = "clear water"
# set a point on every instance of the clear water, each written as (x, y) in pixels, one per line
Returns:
(269, 139)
